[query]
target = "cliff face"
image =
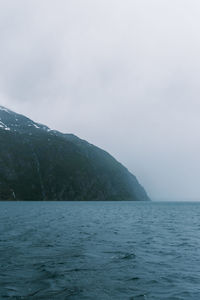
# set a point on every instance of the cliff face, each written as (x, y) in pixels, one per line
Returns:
(37, 163)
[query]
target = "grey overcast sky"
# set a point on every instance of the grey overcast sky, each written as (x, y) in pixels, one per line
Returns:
(124, 75)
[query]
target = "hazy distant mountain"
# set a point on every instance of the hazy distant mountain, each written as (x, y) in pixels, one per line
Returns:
(37, 163)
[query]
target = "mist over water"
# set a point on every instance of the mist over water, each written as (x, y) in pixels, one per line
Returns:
(99, 250)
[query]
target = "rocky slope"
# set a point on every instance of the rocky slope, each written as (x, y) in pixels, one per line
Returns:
(37, 163)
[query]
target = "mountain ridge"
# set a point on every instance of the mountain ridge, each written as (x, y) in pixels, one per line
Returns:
(37, 163)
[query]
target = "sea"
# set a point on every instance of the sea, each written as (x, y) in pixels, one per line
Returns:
(100, 250)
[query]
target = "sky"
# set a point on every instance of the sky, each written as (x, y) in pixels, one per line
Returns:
(124, 75)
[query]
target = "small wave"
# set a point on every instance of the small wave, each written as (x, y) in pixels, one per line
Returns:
(133, 279)
(138, 297)
(80, 270)
(128, 256)
(121, 255)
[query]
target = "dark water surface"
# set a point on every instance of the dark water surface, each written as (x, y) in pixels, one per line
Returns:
(99, 250)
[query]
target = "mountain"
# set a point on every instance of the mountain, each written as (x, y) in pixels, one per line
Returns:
(37, 163)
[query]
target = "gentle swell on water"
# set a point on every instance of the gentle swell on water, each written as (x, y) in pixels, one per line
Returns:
(99, 250)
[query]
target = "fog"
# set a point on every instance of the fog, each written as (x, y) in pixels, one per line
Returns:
(123, 75)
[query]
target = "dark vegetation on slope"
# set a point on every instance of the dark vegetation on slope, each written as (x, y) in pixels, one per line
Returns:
(37, 163)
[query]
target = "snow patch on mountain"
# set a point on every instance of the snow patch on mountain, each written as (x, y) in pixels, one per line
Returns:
(4, 109)
(2, 125)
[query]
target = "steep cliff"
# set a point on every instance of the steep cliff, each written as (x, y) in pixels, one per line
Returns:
(37, 163)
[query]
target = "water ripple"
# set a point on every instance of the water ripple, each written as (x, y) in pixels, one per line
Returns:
(99, 250)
